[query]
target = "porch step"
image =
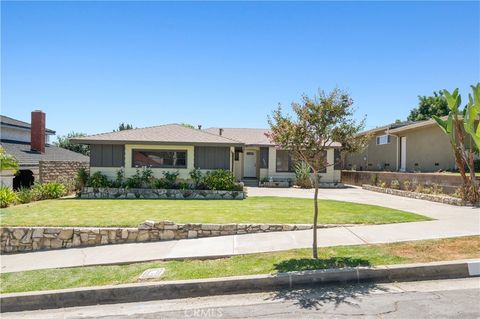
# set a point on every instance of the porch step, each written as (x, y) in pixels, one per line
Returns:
(250, 182)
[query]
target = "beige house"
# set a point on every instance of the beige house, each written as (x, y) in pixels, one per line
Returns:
(407, 146)
(246, 152)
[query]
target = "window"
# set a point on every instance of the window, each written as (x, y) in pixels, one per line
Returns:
(263, 157)
(383, 139)
(284, 161)
(160, 158)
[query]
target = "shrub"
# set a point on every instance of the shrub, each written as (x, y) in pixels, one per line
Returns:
(302, 175)
(381, 184)
(49, 190)
(98, 179)
(374, 180)
(81, 178)
(25, 195)
(221, 180)
(170, 179)
(7, 197)
(196, 176)
(395, 184)
(141, 179)
(407, 185)
(183, 185)
(120, 179)
(437, 189)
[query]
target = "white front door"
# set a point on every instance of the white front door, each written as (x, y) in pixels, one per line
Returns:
(250, 166)
(403, 153)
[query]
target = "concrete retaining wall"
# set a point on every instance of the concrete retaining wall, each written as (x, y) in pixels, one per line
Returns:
(433, 198)
(448, 182)
(147, 193)
(19, 239)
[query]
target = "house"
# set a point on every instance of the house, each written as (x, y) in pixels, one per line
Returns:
(407, 146)
(30, 145)
(246, 152)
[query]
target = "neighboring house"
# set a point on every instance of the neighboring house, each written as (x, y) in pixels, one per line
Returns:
(29, 144)
(408, 146)
(173, 147)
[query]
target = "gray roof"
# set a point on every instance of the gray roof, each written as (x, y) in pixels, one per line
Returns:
(26, 157)
(8, 121)
(390, 126)
(248, 136)
(166, 134)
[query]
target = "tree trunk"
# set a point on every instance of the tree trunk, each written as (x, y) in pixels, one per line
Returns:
(315, 215)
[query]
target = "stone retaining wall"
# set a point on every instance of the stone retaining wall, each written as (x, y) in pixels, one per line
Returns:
(59, 171)
(18, 239)
(146, 193)
(431, 197)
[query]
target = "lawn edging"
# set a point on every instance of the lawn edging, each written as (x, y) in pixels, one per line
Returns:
(22, 239)
(444, 199)
(229, 285)
(150, 193)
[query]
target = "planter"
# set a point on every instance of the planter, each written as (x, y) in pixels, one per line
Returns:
(148, 193)
(284, 184)
(444, 199)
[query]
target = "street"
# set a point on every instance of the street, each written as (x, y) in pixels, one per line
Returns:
(455, 298)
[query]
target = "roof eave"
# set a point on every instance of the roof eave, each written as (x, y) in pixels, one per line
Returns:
(122, 142)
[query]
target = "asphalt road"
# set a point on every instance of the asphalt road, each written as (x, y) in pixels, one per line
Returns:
(458, 298)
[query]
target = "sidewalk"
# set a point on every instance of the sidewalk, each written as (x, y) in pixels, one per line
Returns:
(450, 221)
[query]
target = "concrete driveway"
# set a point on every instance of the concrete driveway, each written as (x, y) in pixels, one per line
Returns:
(450, 221)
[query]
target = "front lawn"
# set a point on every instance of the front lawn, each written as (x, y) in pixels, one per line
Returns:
(130, 213)
(265, 263)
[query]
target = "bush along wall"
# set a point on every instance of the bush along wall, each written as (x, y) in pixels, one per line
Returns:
(150, 193)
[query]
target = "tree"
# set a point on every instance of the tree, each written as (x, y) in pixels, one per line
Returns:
(429, 106)
(7, 162)
(187, 125)
(464, 134)
(64, 142)
(123, 127)
(318, 124)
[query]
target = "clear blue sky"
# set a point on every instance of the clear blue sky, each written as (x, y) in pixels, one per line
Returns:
(92, 65)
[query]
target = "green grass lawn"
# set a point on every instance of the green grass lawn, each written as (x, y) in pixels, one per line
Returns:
(104, 212)
(265, 263)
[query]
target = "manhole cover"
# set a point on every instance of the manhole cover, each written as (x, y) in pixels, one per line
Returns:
(153, 273)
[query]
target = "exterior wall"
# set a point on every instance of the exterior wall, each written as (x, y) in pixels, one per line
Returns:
(331, 176)
(19, 134)
(427, 146)
(238, 167)
(158, 172)
(6, 179)
(375, 157)
(61, 171)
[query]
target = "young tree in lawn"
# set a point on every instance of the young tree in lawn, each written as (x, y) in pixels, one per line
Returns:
(319, 123)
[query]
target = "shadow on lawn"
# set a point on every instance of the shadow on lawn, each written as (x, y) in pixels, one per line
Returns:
(324, 296)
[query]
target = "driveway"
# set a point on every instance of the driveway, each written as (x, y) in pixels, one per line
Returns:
(450, 221)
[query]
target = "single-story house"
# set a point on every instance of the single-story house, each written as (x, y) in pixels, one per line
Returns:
(29, 144)
(407, 146)
(246, 152)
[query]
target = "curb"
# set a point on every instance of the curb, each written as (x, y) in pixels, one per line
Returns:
(229, 285)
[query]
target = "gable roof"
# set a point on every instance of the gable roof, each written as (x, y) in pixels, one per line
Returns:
(8, 121)
(248, 136)
(26, 157)
(165, 134)
(414, 125)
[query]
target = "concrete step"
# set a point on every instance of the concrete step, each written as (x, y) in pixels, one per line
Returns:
(251, 182)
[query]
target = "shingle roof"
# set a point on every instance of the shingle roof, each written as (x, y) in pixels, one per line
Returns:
(26, 157)
(169, 133)
(5, 120)
(390, 126)
(248, 136)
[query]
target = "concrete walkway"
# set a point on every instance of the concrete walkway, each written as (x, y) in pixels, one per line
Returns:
(451, 221)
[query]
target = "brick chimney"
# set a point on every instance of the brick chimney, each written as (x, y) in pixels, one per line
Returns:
(37, 132)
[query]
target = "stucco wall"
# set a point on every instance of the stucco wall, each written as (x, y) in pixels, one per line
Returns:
(427, 146)
(377, 156)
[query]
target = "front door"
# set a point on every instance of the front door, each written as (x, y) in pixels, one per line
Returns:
(403, 153)
(250, 168)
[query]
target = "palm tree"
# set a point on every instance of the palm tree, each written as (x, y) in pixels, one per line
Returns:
(7, 161)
